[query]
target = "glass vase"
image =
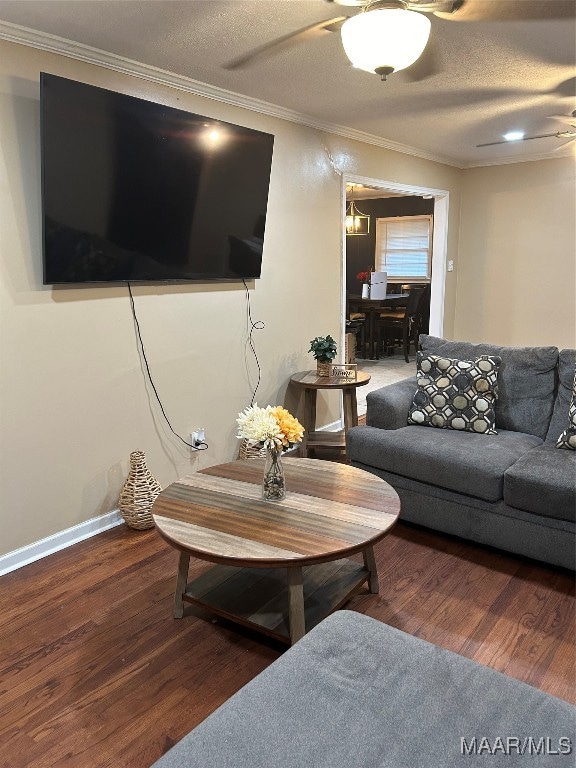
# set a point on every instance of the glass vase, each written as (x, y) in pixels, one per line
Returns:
(274, 484)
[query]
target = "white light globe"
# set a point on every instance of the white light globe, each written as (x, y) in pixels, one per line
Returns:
(385, 38)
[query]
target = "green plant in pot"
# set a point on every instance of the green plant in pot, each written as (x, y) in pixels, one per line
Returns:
(324, 350)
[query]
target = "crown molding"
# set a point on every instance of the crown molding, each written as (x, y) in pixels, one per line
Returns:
(53, 44)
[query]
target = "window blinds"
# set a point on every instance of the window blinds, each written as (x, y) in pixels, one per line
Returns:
(403, 247)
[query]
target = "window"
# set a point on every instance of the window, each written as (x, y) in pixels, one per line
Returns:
(404, 248)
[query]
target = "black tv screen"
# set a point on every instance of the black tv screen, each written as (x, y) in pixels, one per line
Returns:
(133, 190)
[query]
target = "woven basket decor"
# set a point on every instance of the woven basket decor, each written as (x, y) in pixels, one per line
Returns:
(138, 493)
(250, 451)
(323, 369)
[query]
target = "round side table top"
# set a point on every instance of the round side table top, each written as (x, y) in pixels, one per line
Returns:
(331, 510)
(311, 380)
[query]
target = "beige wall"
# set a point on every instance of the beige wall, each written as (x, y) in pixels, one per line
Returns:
(517, 254)
(73, 398)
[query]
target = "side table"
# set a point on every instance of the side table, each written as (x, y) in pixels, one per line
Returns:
(310, 382)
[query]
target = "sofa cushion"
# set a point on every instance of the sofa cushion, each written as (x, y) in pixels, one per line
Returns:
(458, 461)
(543, 481)
(559, 422)
(494, 523)
(526, 381)
(455, 394)
(567, 438)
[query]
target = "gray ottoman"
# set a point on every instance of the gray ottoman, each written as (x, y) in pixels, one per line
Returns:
(356, 693)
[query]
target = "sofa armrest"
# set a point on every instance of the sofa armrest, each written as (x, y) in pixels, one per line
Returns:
(387, 408)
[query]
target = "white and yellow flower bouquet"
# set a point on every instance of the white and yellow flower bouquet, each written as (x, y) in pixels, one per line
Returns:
(272, 427)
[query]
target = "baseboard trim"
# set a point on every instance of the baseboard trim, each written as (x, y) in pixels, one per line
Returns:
(32, 552)
(48, 546)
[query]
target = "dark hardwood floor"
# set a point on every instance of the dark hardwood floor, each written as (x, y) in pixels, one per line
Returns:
(94, 671)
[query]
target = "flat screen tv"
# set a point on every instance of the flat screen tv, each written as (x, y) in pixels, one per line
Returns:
(137, 191)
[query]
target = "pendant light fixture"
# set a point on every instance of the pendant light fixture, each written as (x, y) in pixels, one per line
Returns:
(357, 223)
(385, 37)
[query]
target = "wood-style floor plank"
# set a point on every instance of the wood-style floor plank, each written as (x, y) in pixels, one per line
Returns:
(95, 672)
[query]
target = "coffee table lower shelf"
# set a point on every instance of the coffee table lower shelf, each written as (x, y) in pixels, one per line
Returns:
(258, 597)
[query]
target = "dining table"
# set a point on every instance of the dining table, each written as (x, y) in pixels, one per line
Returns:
(371, 309)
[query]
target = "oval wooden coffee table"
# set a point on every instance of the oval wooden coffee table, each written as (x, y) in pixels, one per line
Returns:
(281, 565)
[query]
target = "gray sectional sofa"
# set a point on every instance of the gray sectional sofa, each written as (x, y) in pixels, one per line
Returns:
(513, 490)
(356, 693)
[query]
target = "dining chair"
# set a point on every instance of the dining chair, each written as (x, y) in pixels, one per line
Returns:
(404, 322)
(356, 324)
(357, 327)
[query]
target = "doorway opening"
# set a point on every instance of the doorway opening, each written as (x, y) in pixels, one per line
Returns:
(374, 189)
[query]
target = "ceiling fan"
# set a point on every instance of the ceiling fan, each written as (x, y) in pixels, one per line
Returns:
(386, 36)
(568, 133)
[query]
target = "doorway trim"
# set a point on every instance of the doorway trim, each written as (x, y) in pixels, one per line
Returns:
(439, 243)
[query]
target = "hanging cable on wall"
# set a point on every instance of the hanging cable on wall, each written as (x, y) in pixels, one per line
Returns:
(200, 446)
(253, 326)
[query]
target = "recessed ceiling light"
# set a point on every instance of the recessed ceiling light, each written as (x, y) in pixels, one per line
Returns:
(514, 135)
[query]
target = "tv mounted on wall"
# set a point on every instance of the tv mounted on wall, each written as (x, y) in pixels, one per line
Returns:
(137, 191)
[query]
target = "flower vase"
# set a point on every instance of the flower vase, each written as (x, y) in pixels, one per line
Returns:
(274, 484)
(365, 290)
(138, 493)
(323, 369)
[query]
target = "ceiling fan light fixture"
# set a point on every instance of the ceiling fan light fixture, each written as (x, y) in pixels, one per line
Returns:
(385, 40)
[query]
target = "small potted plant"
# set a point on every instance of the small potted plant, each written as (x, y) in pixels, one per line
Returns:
(324, 350)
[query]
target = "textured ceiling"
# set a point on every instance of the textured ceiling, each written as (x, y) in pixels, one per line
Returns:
(490, 77)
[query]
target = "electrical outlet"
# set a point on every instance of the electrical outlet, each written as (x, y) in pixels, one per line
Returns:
(197, 437)
(450, 267)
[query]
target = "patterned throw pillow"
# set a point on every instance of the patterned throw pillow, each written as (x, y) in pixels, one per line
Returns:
(456, 394)
(568, 438)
